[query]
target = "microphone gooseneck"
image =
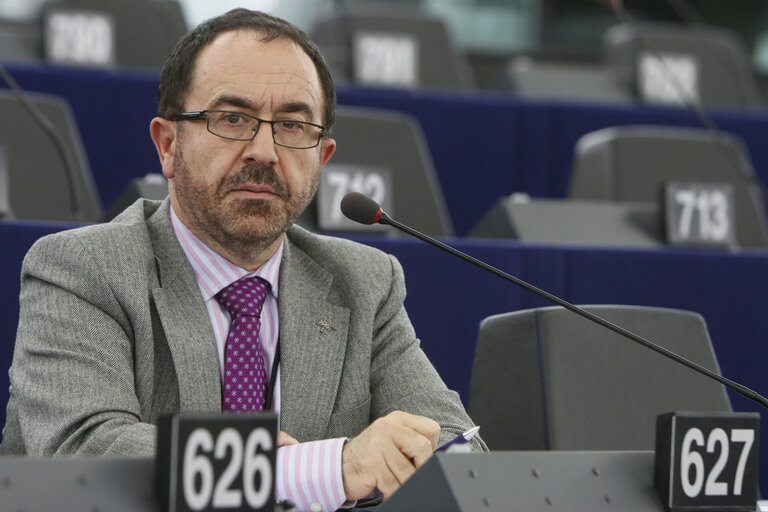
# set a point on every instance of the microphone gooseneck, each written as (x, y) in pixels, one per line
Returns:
(50, 131)
(354, 205)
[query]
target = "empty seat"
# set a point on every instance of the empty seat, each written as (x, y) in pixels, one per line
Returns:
(633, 163)
(390, 46)
(20, 41)
(547, 379)
(46, 181)
(681, 64)
(144, 33)
(382, 154)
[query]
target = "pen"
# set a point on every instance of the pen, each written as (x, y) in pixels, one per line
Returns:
(460, 439)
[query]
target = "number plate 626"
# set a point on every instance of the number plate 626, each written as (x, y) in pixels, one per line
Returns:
(208, 462)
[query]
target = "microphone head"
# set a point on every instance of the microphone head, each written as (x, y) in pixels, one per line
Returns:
(360, 208)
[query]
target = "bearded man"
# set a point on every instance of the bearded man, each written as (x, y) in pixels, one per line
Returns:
(125, 322)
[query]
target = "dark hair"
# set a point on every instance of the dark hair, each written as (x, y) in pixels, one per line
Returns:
(176, 75)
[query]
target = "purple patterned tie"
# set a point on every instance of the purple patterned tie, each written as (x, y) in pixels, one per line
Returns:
(245, 373)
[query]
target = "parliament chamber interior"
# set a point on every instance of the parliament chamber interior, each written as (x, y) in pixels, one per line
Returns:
(611, 153)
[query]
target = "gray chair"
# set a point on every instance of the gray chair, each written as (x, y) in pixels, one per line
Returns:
(571, 221)
(714, 59)
(392, 31)
(20, 41)
(150, 186)
(390, 144)
(145, 31)
(547, 379)
(699, 65)
(632, 163)
(44, 184)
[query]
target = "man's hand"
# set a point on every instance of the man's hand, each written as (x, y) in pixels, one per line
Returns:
(387, 453)
(284, 439)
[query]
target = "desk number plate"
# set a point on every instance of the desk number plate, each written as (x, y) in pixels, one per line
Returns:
(338, 180)
(707, 461)
(83, 38)
(700, 214)
(214, 462)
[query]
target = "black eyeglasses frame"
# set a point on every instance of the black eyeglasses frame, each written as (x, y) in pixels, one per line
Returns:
(202, 115)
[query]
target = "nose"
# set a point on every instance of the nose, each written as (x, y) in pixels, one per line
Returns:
(262, 148)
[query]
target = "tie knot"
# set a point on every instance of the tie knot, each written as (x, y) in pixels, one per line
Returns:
(244, 297)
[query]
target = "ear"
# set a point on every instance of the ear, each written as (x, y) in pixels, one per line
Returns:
(327, 149)
(163, 133)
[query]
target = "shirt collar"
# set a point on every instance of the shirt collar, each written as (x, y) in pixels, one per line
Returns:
(212, 271)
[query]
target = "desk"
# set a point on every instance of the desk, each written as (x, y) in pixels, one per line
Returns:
(503, 481)
(448, 298)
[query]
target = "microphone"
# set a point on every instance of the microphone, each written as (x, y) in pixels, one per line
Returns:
(361, 208)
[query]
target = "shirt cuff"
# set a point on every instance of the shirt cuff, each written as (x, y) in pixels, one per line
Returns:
(309, 475)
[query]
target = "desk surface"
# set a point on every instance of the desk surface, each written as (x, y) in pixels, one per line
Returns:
(497, 481)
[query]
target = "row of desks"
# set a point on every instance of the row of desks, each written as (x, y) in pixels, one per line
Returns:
(491, 145)
(448, 298)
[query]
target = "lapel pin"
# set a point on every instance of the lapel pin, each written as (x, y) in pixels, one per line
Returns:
(325, 327)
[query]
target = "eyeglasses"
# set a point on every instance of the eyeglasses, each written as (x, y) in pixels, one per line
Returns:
(237, 126)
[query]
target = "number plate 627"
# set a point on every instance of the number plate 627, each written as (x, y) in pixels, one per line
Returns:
(707, 461)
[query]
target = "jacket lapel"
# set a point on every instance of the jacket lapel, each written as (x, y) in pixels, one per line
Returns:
(313, 336)
(184, 319)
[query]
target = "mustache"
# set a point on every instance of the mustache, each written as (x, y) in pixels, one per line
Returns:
(255, 173)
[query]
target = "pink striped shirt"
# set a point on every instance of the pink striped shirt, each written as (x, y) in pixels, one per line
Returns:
(308, 474)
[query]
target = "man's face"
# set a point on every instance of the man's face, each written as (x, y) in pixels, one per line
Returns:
(242, 195)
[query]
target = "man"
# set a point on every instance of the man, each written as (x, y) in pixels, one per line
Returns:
(124, 322)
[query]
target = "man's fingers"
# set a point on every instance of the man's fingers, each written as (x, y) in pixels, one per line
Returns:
(413, 445)
(388, 481)
(387, 453)
(425, 426)
(400, 466)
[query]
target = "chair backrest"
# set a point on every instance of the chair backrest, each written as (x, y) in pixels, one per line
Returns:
(678, 64)
(145, 32)
(546, 378)
(572, 221)
(387, 148)
(20, 41)
(633, 163)
(150, 186)
(42, 181)
(390, 46)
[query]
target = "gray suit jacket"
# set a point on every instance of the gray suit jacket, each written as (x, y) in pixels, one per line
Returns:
(113, 334)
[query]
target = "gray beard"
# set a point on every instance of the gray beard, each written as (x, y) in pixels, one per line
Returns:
(250, 227)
